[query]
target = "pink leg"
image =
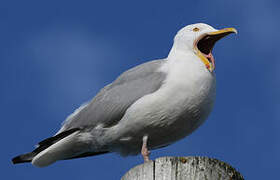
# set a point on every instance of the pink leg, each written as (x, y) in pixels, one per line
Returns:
(145, 152)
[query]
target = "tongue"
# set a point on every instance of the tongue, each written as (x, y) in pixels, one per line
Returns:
(210, 57)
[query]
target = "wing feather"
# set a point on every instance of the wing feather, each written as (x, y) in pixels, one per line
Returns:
(110, 104)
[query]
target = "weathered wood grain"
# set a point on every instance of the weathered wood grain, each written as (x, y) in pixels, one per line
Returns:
(183, 168)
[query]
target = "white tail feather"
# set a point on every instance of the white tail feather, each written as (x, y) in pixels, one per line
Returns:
(61, 150)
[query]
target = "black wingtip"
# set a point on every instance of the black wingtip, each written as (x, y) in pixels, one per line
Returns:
(18, 159)
(24, 158)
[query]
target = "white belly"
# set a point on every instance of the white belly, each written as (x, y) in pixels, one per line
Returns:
(172, 112)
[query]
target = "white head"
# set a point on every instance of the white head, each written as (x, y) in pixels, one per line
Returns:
(200, 39)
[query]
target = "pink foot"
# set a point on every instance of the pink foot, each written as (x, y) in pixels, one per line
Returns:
(145, 152)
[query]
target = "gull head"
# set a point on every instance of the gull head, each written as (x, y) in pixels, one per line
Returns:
(200, 39)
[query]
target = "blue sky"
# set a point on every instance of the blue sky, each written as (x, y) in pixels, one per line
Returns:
(55, 55)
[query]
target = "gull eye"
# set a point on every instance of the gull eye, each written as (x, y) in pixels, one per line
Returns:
(195, 29)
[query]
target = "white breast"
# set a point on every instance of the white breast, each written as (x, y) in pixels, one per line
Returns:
(178, 107)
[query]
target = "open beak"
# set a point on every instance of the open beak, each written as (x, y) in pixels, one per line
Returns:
(204, 45)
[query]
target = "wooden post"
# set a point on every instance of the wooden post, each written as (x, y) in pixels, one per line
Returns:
(183, 168)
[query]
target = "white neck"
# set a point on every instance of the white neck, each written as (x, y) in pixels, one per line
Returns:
(183, 63)
(186, 75)
(179, 51)
(177, 54)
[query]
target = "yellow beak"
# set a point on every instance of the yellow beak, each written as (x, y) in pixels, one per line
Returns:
(224, 31)
(218, 34)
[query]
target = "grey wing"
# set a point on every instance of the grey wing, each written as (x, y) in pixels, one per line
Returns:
(110, 104)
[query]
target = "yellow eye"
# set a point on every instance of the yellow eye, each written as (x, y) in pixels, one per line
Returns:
(195, 29)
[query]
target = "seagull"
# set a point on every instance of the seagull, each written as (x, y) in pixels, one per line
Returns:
(147, 107)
